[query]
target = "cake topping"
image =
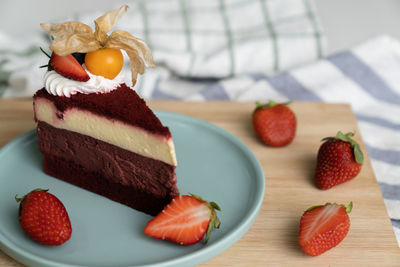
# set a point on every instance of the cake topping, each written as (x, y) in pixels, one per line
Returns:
(106, 62)
(68, 67)
(56, 84)
(76, 37)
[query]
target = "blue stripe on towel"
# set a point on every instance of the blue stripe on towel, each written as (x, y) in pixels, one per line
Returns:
(215, 92)
(396, 223)
(379, 121)
(363, 75)
(287, 85)
(158, 94)
(385, 155)
(390, 191)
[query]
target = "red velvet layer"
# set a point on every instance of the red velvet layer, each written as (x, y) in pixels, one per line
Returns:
(142, 183)
(122, 104)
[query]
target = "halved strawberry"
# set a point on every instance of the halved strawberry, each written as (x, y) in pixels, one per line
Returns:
(323, 227)
(184, 221)
(68, 67)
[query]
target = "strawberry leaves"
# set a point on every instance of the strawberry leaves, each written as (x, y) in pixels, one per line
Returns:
(358, 154)
(349, 207)
(356, 147)
(270, 103)
(214, 220)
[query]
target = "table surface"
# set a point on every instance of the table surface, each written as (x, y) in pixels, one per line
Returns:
(272, 240)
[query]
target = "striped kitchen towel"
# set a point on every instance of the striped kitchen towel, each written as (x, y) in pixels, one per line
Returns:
(367, 77)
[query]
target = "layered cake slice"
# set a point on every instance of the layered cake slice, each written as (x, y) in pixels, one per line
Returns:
(93, 130)
(111, 144)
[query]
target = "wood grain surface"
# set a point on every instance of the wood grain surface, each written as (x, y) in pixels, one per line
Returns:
(272, 240)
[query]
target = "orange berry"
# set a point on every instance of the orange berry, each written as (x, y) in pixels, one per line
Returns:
(106, 62)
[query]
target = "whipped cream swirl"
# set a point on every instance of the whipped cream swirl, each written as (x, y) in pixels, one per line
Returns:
(57, 84)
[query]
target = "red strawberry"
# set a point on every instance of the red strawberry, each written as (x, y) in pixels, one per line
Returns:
(275, 124)
(44, 218)
(184, 221)
(339, 160)
(323, 227)
(69, 67)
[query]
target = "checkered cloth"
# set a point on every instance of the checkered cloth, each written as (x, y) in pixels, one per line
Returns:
(201, 39)
(222, 38)
(247, 50)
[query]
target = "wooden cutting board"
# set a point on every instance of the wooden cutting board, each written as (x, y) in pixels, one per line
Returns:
(272, 240)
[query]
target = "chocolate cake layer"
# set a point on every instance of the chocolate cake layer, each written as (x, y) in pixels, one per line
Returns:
(122, 104)
(142, 183)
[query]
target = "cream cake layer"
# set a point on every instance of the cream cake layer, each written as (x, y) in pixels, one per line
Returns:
(113, 131)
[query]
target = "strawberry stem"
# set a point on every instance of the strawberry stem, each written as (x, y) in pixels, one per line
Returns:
(44, 52)
(349, 207)
(19, 199)
(270, 103)
(260, 105)
(214, 223)
(215, 205)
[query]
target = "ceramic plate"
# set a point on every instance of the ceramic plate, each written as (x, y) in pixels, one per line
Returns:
(212, 163)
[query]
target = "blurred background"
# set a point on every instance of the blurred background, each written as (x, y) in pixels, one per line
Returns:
(345, 22)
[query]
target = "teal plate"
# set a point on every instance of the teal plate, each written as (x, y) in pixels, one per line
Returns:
(212, 163)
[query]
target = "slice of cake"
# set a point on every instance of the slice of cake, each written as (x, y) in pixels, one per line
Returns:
(93, 130)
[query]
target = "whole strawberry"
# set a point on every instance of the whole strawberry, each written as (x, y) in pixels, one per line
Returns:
(186, 220)
(44, 218)
(275, 124)
(323, 227)
(339, 160)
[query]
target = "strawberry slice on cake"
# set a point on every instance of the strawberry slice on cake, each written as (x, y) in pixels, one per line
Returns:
(69, 67)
